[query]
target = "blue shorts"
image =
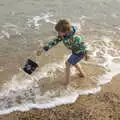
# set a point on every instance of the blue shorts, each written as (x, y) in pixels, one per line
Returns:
(74, 59)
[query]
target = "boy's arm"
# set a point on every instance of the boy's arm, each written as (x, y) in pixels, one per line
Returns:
(49, 45)
(52, 43)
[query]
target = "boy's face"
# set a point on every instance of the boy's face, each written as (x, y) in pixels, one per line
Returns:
(61, 34)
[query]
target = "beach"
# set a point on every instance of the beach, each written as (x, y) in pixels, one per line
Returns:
(25, 27)
(104, 105)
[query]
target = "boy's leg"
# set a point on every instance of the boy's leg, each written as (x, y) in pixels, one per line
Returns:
(78, 67)
(67, 72)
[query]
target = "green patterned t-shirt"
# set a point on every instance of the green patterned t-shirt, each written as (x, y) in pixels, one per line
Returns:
(73, 43)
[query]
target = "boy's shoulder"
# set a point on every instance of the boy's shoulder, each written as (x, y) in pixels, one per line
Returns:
(78, 37)
(76, 28)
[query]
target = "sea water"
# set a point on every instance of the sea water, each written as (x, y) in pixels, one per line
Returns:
(26, 25)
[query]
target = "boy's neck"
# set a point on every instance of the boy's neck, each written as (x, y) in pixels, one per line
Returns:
(69, 34)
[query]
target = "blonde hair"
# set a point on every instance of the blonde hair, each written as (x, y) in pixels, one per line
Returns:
(63, 26)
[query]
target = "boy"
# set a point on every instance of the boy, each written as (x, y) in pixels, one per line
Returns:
(67, 34)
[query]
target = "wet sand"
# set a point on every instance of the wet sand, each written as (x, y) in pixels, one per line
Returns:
(104, 105)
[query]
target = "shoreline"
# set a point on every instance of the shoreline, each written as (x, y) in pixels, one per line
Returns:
(104, 105)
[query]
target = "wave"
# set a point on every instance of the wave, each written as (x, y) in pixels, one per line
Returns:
(24, 92)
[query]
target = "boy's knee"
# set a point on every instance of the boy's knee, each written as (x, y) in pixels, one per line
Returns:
(67, 63)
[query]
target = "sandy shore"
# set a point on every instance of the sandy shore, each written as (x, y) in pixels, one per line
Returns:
(104, 105)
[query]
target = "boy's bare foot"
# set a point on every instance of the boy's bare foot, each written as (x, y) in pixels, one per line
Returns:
(81, 75)
(66, 83)
(86, 56)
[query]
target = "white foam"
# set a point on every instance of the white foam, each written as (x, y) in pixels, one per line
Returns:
(1, 37)
(108, 63)
(71, 98)
(22, 81)
(118, 28)
(50, 21)
(90, 91)
(83, 19)
(9, 29)
(18, 87)
(22, 84)
(107, 77)
(6, 34)
(36, 20)
(114, 15)
(1, 68)
(9, 25)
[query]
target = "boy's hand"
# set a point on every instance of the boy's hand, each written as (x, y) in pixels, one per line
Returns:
(39, 52)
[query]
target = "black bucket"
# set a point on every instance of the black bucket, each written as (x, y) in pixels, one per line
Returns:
(30, 66)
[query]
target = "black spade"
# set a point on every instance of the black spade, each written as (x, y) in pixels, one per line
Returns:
(30, 66)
